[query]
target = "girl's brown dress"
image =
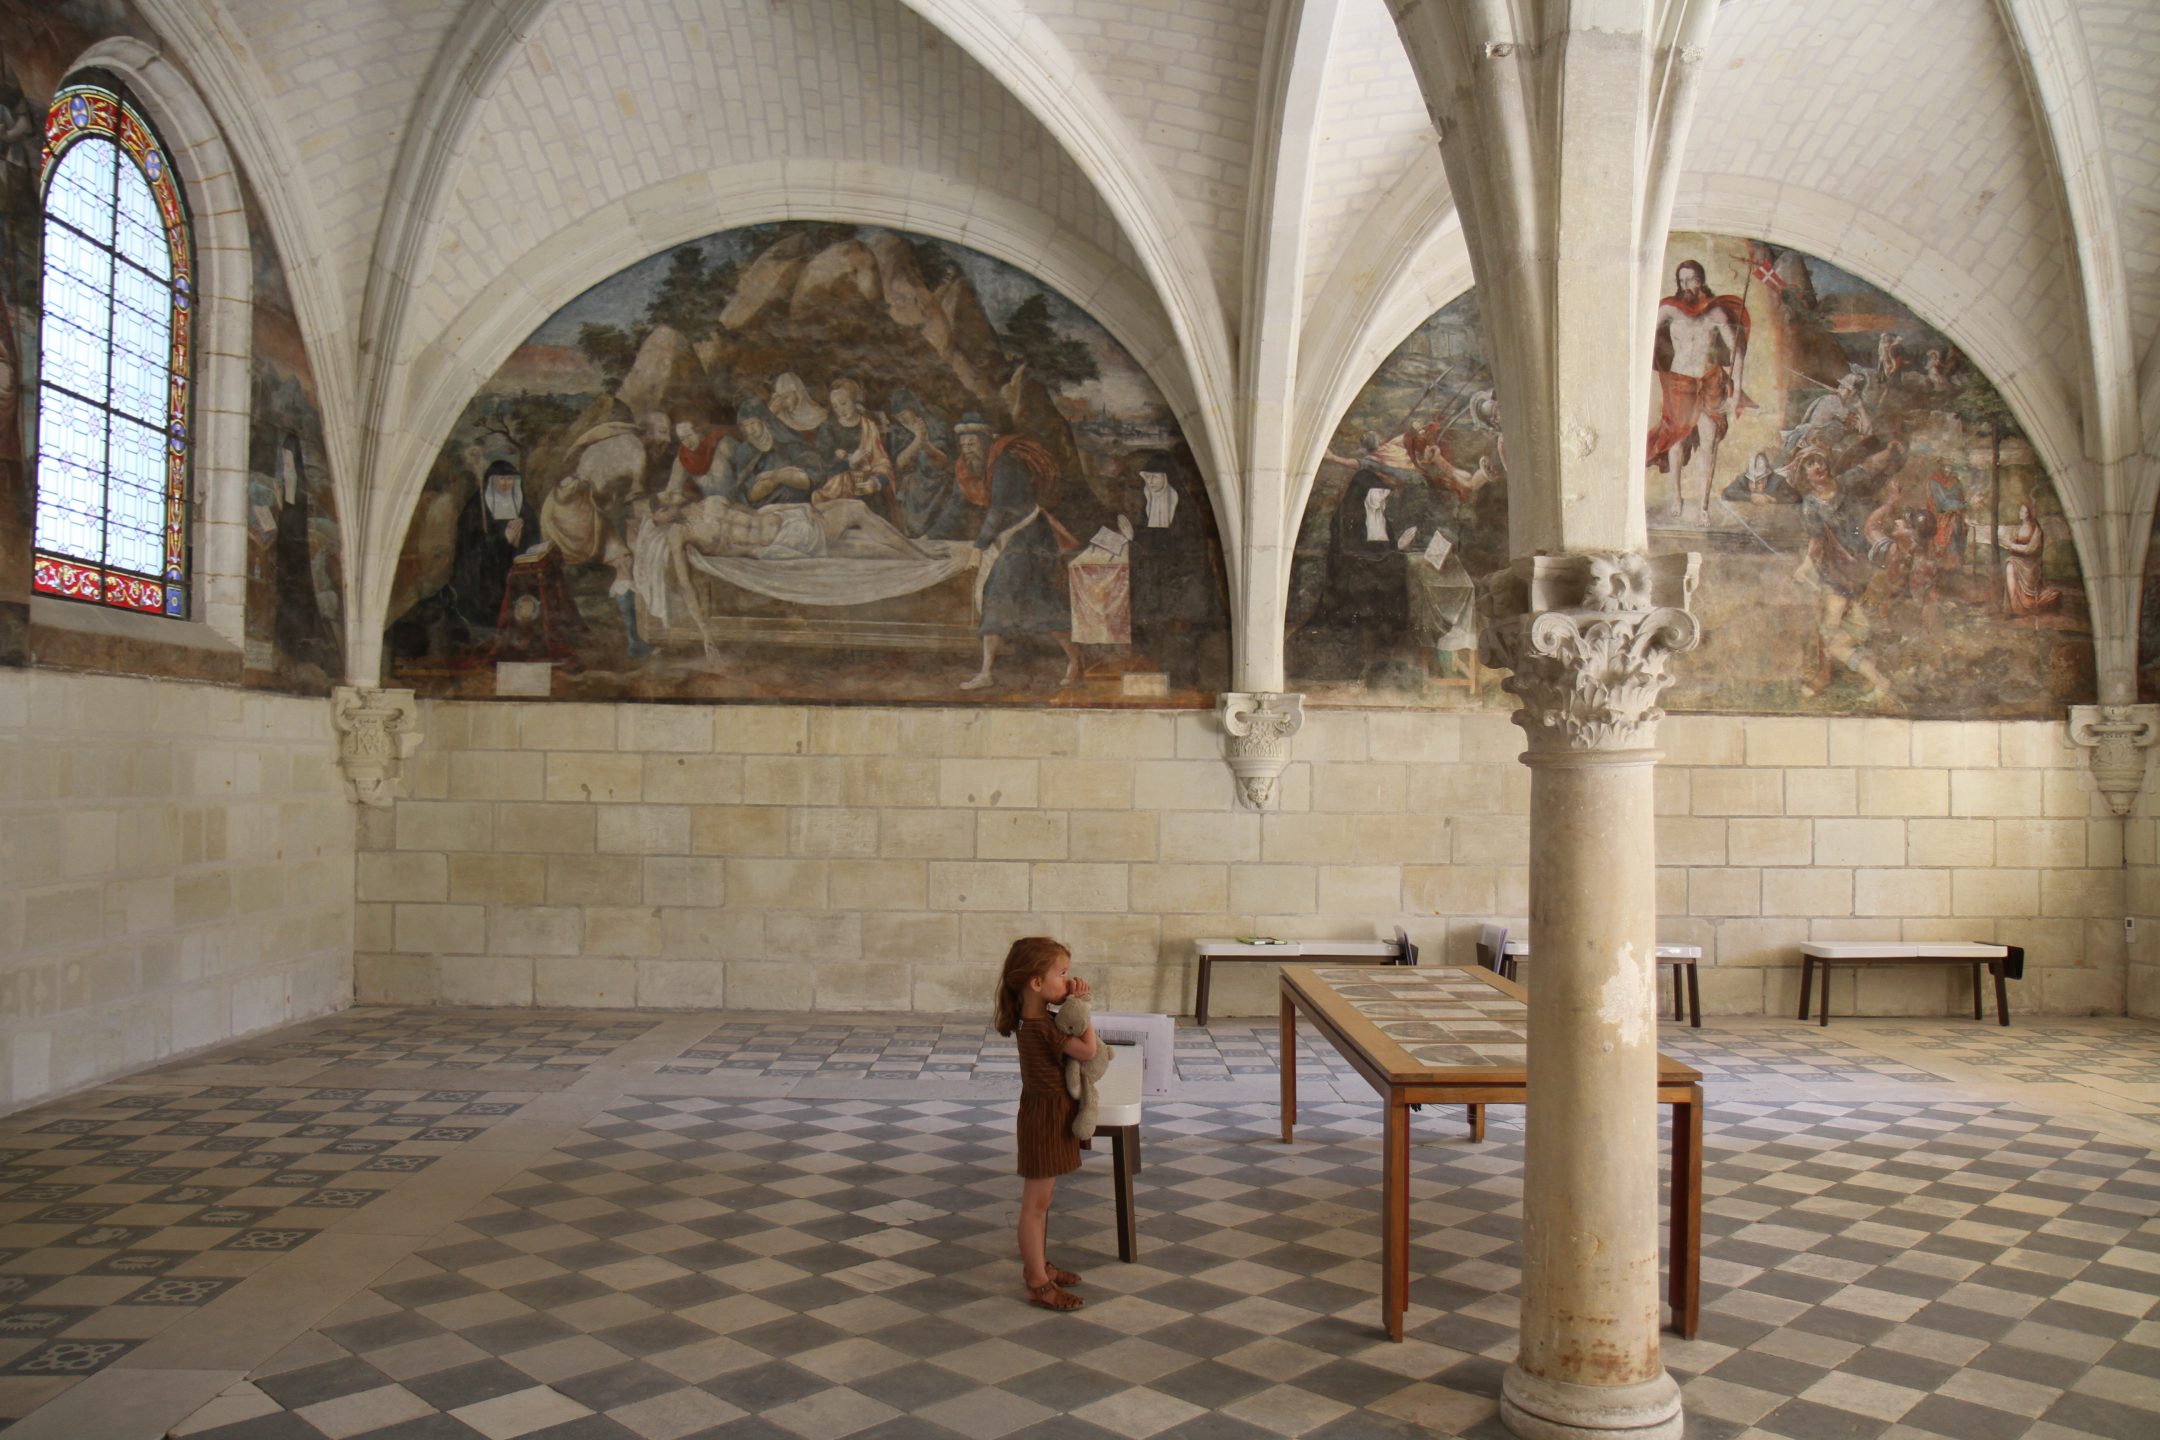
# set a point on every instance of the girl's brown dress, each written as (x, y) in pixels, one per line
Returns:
(1047, 1146)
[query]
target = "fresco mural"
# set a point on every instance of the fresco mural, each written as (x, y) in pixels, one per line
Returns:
(294, 632)
(821, 462)
(1878, 535)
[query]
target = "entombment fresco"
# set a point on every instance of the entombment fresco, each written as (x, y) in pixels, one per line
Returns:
(815, 461)
(1878, 536)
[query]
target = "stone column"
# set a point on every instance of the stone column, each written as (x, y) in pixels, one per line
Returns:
(1587, 638)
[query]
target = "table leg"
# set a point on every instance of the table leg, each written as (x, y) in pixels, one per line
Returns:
(1677, 1009)
(1477, 1123)
(1686, 1262)
(1978, 1013)
(1288, 1067)
(1807, 982)
(1694, 996)
(1395, 1220)
(2002, 992)
(1124, 1163)
(1825, 967)
(1200, 1001)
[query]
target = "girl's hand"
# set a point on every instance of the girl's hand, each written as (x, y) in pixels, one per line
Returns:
(1081, 988)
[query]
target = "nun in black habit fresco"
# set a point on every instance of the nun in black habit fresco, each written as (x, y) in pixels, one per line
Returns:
(1366, 604)
(302, 632)
(1176, 592)
(495, 527)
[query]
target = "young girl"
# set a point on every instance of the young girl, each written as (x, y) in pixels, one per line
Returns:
(1036, 976)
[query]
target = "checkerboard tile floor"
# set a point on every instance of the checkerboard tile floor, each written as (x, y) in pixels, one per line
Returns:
(690, 1259)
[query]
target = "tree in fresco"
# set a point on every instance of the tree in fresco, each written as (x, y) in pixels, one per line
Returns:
(1056, 361)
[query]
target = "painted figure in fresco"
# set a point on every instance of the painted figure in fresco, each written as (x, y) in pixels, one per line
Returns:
(774, 464)
(931, 505)
(851, 442)
(1833, 511)
(1762, 484)
(1020, 588)
(493, 528)
(798, 414)
(697, 444)
(1366, 598)
(2024, 592)
(1833, 422)
(302, 631)
(1176, 597)
(1699, 354)
(1946, 499)
(573, 523)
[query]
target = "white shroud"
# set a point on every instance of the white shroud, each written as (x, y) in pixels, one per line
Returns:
(841, 577)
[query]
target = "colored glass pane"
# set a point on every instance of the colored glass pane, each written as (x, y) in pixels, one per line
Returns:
(111, 523)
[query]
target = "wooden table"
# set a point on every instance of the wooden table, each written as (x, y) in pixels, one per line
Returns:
(1338, 952)
(1822, 954)
(1450, 1034)
(1682, 958)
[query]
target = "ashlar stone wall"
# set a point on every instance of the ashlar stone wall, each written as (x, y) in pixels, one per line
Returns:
(776, 857)
(176, 870)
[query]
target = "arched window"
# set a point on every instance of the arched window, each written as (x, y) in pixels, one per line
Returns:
(113, 359)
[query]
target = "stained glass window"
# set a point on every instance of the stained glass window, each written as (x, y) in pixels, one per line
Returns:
(113, 353)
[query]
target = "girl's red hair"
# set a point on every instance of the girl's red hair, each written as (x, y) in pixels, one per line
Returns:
(1029, 957)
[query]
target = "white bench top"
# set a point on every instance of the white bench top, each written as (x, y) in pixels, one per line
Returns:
(1521, 949)
(1291, 949)
(1903, 950)
(1117, 1094)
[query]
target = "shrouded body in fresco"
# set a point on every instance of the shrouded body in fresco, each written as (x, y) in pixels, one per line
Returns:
(1878, 536)
(821, 462)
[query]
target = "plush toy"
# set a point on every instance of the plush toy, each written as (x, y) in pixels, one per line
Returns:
(1073, 1018)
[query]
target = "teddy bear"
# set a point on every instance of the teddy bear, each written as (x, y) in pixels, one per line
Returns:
(1073, 1018)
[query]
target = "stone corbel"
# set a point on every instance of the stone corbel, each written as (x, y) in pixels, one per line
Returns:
(1257, 730)
(377, 731)
(2117, 736)
(1586, 639)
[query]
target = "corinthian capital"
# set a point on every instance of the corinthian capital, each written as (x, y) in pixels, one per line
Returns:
(2117, 736)
(1257, 729)
(377, 731)
(1586, 639)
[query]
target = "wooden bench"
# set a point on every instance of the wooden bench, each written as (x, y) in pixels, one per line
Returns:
(2004, 962)
(1504, 956)
(1398, 951)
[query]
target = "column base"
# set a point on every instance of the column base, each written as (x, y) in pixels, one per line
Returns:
(1535, 1408)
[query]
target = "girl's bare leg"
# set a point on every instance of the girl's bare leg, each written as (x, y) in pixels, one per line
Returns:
(1034, 1226)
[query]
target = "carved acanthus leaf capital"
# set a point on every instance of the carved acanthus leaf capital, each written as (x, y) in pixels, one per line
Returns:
(1586, 639)
(377, 731)
(2117, 737)
(1256, 738)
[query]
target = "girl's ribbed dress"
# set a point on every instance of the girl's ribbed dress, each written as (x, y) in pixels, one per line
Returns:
(1047, 1146)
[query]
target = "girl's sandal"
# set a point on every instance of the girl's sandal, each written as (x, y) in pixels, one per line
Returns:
(1059, 1276)
(1048, 1297)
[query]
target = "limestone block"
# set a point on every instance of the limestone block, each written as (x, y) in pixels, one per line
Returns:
(1901, 892)
(578, 776)
(1128, 735)
(2144, 991)
(1995, 792)
(1950, 842)
(647, 728)
(1491, 737)
(989, 784)
(585, 983)
(761, 730)
(680, 984)
(768, 985)
(831, 832)
(1030, 734)
(593, 879)
(1768, 842)
(402, 875)
(979, 885)
(1310, 839)
(88, 839)
(1086, 784)
(1421, 736)
(1331, 737)
(373, 929)
(1670, 888)
(2041, 844)
(1682, 840)
(1243, 991)
(1021, 835)
(680, 880)
(543, 829)
(1406, 839)
(688, 780)
(738, 830)
(1704, 740)
(1070, 886)
(1904, 792)
(1731, 990)
(1738, 792)
(883, 780)
(860, 987)
(1822, 792)
(776, 884)
(1711, 890)
(880, 885)
(198, 898)
(1994, 892)
(854, 730)
(985, 935)
(1362, 890)
(955, 990)
(566, 727)
(2081, 991)
(1914, 990)
(794, 779)
(622, 930)
(497, 775)
(445, 825)
(2081, 892)
(1187, 784)
(1786, 741)
(1860, 842)
(481, 980)
(1456, 789)
(1810, 891)
(814, 936)
(928, 937)
(2103, 844)
(1492, 840)
(1672, 791)
(1259, 890)
(2038, 745)
(1467, 890)
(927, 834)
(441, 929)
(1202, 837)
(1179, 889)
(1870, 743)
(643, 829)
(1367, 788)
(489, 880)
(1957, 744)
(2104, 946)
(1115, 834)
(2069, 794)
(690, 932)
